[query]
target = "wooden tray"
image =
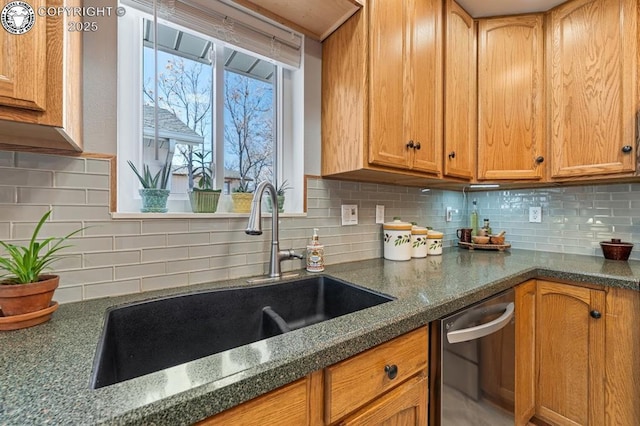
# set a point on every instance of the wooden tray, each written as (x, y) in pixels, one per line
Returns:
(472, 246)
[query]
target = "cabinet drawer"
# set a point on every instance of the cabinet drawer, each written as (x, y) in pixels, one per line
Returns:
(285, 405)
(361, 378)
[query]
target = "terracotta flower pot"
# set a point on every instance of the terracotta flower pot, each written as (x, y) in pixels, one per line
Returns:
(18, 299)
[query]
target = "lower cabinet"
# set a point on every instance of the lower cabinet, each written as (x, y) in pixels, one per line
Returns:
(575, 362)
(383, 385)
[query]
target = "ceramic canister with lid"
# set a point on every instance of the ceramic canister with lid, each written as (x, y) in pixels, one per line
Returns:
(419, 241)
(396, 237)
(434, 243)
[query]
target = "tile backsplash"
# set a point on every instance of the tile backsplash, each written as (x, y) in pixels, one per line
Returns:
(121, 256)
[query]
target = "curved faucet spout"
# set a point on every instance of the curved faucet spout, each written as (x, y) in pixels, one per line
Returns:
(254, 227)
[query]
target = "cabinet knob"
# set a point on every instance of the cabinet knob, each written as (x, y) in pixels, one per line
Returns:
(410, 144)
(391, 370)
(595, 314)
(539, 159)
(452, 155)
(417, 145)
(627, 149)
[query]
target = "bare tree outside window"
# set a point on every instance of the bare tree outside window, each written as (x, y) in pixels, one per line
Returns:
(248, 130)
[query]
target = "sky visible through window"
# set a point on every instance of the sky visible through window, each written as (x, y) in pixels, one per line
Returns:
(185, 89)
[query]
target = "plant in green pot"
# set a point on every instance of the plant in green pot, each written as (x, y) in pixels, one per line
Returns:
(154, 190)
(26, 292)
(280, 191)
(242, 197)
(203, 199)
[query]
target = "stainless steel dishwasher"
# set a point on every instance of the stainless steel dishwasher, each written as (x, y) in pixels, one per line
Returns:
(473, 365)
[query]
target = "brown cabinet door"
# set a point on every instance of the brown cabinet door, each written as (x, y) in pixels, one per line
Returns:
(510, 97)
(404, 406)
(460, 109)
(387, 135)
(22, 81)
(423, 83)
(570, 340)
(405, 125)
(592, 62)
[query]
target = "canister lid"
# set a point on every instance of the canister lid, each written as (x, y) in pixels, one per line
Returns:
(435, 234)
(397, 225)
(419, 230)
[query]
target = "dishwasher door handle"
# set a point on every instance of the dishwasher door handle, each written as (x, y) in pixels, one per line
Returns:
(482, 330)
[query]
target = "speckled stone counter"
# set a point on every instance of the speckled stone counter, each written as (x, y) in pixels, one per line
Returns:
(45, 370)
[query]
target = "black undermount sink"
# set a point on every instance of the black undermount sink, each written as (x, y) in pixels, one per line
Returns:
(145, 337)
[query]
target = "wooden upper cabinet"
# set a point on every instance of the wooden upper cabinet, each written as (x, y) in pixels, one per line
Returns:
(405, 85)
(570, 335)
(40, 82)
(21, 85)
(510, 98)
(460, 109)
(592, 57)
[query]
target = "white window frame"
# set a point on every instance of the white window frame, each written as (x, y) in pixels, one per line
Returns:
(289, 100)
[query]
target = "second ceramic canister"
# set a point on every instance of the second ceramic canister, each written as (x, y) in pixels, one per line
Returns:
(396, 237)
(419, 241)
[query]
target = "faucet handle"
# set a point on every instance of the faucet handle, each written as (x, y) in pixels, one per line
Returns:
(290, 254)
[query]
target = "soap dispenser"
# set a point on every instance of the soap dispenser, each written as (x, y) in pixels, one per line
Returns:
(315, 254)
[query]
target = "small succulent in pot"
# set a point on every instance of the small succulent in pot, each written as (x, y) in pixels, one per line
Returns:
(203, 199)
(154, 190)
(280, 191)
(25, 287)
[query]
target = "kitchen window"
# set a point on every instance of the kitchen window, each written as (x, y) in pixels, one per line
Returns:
(202, 102)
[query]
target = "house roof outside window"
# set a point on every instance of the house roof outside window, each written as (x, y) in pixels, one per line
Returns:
(170, 127)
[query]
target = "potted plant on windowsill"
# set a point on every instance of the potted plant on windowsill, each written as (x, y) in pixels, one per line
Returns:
(280, 191)
(154, 190)
(25, 291)
(203, 199)
(242, 197)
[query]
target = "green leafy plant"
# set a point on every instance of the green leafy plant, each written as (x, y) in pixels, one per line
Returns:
(243, 187)
(24, 264)
(201, 171)
(158, 181)
(283, 187)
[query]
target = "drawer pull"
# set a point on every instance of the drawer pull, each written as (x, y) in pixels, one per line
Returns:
(391, 370)
(595, 314)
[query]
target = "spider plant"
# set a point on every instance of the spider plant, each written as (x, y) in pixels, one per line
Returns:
(24, 264)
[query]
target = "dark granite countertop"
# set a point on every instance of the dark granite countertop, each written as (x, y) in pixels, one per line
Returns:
(45, 370)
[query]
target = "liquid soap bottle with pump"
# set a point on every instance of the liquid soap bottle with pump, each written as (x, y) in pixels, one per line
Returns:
(315, 254)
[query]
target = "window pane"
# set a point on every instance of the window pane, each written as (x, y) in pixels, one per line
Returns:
(249, 119)
(184, 99)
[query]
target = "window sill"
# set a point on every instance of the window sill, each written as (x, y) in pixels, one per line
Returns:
(187, 215)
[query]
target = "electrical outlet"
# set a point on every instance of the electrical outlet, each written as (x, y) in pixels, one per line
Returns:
(448, 214)
(349, 214)
(535, 214)
(379, 214)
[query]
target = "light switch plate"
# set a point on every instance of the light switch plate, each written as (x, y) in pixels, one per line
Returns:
(379, 213)
(349, 214)
(535, 214)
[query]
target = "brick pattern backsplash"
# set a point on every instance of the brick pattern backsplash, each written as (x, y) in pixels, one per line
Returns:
(574, 218)
(122, 256)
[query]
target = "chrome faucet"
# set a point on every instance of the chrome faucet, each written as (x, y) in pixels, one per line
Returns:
(255, 228)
